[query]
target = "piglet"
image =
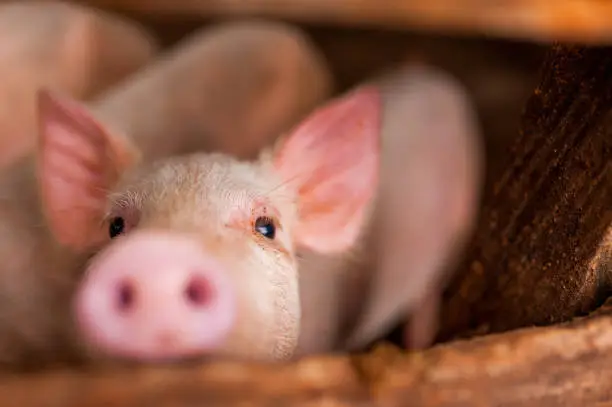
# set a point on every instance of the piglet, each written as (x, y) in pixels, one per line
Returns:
(196, 254)
(204, 254)
(193, 98)
(64, 46)
(422, 214)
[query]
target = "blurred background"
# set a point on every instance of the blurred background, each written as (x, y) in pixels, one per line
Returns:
(494, 48)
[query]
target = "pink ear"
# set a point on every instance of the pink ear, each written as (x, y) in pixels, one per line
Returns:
(332, 159)
(78, 162)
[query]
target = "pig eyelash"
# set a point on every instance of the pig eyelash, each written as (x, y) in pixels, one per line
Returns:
(296, 177)
(265, 226)
(262, 215)
(117, 226)
(282, 184)
(265, 229)
(264, 220)
(120, 222)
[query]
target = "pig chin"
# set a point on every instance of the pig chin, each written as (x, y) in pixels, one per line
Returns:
(268, 310)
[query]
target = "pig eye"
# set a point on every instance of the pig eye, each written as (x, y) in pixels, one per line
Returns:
(116, 227)
(265, 227)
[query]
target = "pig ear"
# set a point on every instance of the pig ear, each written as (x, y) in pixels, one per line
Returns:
(78, 162)
(332, 160)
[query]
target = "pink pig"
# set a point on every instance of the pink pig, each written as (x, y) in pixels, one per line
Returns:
(200, 252)
(205, 254)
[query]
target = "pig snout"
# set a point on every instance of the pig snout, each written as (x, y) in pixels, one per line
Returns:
(155, 296)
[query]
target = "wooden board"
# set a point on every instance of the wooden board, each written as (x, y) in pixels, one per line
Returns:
(536, 20)
(567, 365)
(546, 217)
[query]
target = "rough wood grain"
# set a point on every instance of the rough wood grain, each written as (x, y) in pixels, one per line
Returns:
(567, 365)
(540, 20)
(601, 264)
(546, 216)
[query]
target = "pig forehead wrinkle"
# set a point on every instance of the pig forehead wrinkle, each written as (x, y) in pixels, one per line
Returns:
(209, 182)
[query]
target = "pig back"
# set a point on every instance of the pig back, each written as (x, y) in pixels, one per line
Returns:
(63, 46)
(232, 88)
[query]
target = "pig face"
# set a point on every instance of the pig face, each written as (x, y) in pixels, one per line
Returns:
(240, 215)
(197, 254)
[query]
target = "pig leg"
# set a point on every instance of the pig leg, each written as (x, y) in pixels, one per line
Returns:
(422, 327)
(233, 88)
(66, 47)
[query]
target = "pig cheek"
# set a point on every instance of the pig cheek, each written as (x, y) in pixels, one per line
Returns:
(268, 310)
(285, 292)
(95, 286)
(97, 296)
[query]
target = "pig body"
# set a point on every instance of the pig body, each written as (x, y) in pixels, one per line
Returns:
(203, 88)
(37, 279)
(66, 47)
(422, 215)
(248, 233)
(157, 111)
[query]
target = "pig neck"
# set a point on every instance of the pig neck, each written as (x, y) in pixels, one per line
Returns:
(36, 279)
(333, 288)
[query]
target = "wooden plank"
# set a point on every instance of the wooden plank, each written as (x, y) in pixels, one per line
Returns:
(545, 218)
(539, 20)
(567, 365)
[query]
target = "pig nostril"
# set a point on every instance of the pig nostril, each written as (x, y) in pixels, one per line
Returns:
(125, 296)
(197, 291)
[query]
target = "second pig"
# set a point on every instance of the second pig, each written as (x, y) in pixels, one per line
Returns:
(209, 255)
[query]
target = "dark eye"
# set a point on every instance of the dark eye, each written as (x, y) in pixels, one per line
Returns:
(116, 227)
(265, 227)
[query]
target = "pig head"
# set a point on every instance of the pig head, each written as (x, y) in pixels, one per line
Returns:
(321, 244)
(196, 254)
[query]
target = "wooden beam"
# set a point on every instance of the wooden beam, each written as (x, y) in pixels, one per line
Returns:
(569, 364)
(545, 218)
(538, 20)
